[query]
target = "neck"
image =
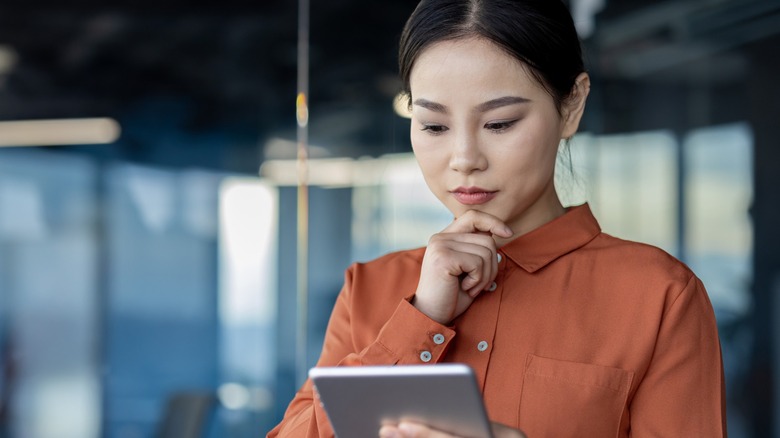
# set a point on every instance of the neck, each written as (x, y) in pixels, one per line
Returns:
(544, 211)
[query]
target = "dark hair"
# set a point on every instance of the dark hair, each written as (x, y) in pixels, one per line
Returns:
(539, 33)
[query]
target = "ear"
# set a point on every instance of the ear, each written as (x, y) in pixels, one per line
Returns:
(575, 105)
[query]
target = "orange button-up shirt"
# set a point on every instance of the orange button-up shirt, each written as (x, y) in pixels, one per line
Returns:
(583, 335)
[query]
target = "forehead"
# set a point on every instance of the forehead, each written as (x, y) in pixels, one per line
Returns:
(470, 65)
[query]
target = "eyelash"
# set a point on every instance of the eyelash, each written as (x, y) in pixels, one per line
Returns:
(434, 129)
(494, 127)
(499, 127)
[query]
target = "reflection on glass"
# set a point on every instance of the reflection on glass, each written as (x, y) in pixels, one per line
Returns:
(247, 290)
(719, 189)
(394, 209)
(49, 375)
(161, 333)
(630, 181)
(719, 244)
(248, 216)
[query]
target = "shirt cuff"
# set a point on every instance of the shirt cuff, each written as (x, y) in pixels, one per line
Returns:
(409, 337)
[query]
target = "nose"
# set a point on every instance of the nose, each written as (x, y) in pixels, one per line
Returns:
(467, 156)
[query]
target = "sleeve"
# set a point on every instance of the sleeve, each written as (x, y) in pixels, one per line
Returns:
(683, 391)
(401, 340)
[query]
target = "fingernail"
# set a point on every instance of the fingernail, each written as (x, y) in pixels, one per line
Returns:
(407, 429)
(388, 432)
(508, 231)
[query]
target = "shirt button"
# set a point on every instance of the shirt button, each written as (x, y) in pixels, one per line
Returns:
(482, 346)
(438, 338)
(425, 356)
(499, 257)
(493, 286)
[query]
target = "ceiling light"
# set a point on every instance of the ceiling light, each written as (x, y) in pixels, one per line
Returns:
(8, 59)
(60, 132)
(401, 106)
(327, 172)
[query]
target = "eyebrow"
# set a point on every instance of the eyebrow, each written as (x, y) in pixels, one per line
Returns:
(482, 108)
(433, 106)
(501, 101)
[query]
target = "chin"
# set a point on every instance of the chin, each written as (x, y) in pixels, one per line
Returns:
(461, 209)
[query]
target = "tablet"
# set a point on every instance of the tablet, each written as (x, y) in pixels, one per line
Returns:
(359, 400)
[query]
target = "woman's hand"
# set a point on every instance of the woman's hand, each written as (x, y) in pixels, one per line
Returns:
(459, 263)
(416, 430)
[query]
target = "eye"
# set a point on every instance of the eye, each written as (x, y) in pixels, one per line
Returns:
(434, 129)
(499, 127)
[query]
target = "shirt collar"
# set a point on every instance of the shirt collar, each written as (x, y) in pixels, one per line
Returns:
(538, 248)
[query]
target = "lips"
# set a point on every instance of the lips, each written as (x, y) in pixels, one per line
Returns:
(473, 195)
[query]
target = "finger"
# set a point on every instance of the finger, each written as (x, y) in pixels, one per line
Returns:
(474, 264)
(474, 221)
(416, 430)
(389, 432)
(443, 240)
(479, 279)
(501, 431)
(482, 276)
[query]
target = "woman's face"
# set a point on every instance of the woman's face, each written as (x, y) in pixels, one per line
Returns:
(486, 134)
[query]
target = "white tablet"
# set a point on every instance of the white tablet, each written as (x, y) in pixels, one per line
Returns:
(358, 400)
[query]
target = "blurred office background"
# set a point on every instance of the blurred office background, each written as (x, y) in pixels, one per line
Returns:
(148, 253)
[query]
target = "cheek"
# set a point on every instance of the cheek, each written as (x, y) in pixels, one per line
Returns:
(428, 153)
(421, 140)
(540, 143)
(417, 142)
(531, 157)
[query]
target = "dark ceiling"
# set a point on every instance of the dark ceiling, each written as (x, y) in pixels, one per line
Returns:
(209, 70)
(209, 83)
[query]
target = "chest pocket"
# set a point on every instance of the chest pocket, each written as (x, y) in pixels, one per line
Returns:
(568, 399)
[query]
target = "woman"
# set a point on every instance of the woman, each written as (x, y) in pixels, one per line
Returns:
(571, 332)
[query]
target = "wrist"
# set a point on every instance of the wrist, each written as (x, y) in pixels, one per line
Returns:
(430, 313)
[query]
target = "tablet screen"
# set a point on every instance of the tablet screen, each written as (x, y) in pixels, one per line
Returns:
(358, 400)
